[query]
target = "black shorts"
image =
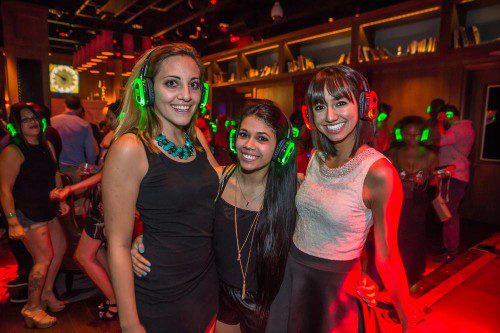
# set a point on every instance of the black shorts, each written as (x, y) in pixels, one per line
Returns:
(94, 227)
(233, 310)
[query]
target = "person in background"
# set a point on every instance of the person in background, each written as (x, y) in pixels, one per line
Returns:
(51, 133)
(383, 138)
(221, 142)
(456, 138)
(28, 171)
(432, 123)
(78, 143)
(303, 141)
(112, 119)
(415, 164)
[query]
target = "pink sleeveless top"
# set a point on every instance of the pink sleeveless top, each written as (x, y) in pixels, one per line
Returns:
(333, 221)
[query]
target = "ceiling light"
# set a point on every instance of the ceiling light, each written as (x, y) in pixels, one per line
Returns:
(277, 11)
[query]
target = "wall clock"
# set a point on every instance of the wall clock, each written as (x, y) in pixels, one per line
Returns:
(63, 79)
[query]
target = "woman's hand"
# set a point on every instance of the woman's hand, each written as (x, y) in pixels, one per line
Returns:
(63, 208)
(367, 289)
(16, 231)
(140, 264)
(59, 194)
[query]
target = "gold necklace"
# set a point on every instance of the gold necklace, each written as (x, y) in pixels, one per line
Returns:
(243, 194)
(239, 249)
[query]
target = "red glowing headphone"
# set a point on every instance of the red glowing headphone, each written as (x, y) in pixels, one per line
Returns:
(367, 104)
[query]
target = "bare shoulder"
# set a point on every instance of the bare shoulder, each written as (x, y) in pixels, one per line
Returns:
(12, 153)
(127, 152)
(381, 173)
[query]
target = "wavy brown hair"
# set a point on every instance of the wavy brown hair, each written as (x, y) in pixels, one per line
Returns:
(143, 120)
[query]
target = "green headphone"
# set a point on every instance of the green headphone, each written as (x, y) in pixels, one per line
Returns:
(13, 131)
(399, 136)
(382, 116)
(284, 149)
(144, 88)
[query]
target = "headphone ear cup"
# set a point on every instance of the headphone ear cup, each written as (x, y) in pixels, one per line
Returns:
(233, 135)
(362, 105)
(279, 150)
(149, 92)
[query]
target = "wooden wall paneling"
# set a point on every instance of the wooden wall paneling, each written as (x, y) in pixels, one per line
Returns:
(281, 94)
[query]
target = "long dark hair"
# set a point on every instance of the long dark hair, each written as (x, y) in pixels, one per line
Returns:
(277, 223)
(15, 120)
(340, 82)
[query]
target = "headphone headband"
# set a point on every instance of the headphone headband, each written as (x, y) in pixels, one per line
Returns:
(145, 67)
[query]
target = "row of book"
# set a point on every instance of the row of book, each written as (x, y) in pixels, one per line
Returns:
(266, 71)
(301, 64)
(464, 37)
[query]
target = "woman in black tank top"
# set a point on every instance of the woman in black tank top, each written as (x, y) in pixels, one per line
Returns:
(254, 221)
(160, 165)
(28, 171)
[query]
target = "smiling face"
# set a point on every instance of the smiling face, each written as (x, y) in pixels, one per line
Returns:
(177, 90)
(336, 118)
(29, 123)
(255, 144)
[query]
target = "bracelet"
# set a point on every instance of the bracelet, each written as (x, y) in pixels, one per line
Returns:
(11, 215)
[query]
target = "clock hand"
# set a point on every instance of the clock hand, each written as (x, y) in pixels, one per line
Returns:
(62, 77)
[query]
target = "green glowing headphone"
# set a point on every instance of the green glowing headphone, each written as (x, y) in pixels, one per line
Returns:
(284, 149)
(144, 88)
(382, 116)
(399, 136)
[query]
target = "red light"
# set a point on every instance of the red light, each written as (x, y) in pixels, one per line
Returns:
(213, 2)
(234, 39)
(63, 34)
(114, 41)
(202, 20)
(118, 54)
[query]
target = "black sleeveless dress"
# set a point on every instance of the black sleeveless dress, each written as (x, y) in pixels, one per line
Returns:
(176, 203)
(33, 184)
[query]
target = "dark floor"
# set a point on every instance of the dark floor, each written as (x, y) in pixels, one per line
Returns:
(81, 316)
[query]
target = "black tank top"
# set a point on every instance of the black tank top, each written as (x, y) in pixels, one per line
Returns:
(34, 182)
(176, 203)
(225, 246)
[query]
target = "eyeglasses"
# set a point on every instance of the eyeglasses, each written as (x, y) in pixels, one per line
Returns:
(29, 120)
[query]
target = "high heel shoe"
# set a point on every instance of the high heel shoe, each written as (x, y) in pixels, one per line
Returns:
(108, 314)
(37, 318)
(53, 304)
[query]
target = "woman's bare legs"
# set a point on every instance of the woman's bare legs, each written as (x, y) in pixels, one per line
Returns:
(88, 256)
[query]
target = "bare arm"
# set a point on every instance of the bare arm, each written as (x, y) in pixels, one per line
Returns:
(10, 164)
(126, 165)
(385, 197)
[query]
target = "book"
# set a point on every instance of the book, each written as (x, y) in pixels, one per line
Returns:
(366, 53)
(341, 59)
(374, 54)
(475, 33)
(463, 36)
(456, 38)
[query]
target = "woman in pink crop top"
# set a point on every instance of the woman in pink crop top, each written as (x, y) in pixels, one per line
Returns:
(348, 188)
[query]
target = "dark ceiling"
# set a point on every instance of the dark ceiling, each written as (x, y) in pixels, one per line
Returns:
(73, 23)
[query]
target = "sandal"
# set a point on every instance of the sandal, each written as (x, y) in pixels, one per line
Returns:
(108, 314)
(37, 318)
(103, 306)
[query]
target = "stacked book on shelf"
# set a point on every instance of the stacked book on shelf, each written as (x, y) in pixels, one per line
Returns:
(426, 45)
(266, 71)
(344, 59)
(464, 37)
(221, 77)
(366, 53)
(301, 64)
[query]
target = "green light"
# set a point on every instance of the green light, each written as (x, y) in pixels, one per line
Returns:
(425, 135)
(295, 132)
(214, 126)
(232, 141)
(206, 92)
(226, 123)
(449, 114)
(11, 129)
(397, 133)
(382, 116)
(120, 117)
(44, 124)
(233, 122)
(290, 148)
(428, 109)
(139, 91)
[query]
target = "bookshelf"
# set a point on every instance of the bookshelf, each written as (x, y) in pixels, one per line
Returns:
(475, 23)
(225, 69)
(261, 62)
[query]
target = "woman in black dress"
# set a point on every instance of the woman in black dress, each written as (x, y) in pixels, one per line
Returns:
(160, 165)
(415, 164)
(255, 218)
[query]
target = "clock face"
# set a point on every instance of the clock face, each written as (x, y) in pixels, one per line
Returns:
(63, 79)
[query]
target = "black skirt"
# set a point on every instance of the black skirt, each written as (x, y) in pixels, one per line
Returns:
(315, 296)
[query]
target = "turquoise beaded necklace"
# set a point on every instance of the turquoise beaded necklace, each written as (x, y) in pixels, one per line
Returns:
(171, 148)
